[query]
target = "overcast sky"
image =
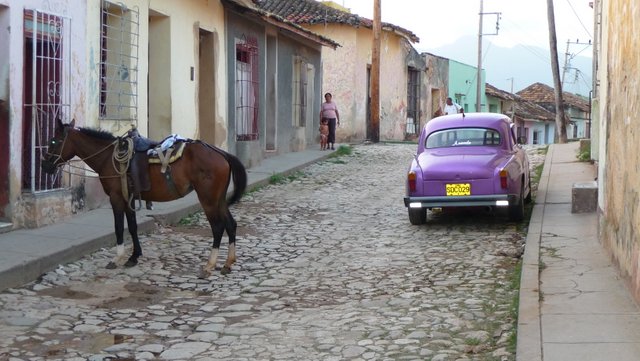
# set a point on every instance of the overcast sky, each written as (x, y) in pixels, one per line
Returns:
(440, 22)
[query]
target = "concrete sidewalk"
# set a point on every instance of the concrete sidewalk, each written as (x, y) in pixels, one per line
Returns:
(28, 253)
(573, 305)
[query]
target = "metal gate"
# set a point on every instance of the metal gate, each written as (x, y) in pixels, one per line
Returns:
(47, 92)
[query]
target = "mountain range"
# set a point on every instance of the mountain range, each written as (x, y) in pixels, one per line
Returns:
(521, 65)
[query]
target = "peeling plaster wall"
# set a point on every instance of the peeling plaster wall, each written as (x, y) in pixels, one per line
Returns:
(393, 86)
(84, 193)
(34, 210)
(620, 107)
(437, 83)
(345, 76)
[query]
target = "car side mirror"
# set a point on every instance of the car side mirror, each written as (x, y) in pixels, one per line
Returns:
(521, 140)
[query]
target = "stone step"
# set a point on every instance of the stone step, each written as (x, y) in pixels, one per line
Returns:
(584, 197)
(5, 227)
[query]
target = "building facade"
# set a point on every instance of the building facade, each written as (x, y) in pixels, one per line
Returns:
(163, 66)
(346, 71)
(617, 98)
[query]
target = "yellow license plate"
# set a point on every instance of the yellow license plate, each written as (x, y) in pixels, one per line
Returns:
(458, 189)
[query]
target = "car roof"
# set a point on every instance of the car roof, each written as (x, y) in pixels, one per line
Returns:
(460, 120)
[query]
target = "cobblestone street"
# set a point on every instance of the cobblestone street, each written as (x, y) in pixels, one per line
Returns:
(329, 268)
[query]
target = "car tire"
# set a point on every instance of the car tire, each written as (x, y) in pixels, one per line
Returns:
(516, 210)
(529, 198)
(417, 216)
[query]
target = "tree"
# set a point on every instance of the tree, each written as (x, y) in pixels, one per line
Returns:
(561, 129)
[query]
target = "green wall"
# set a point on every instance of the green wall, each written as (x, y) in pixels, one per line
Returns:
(463, 86)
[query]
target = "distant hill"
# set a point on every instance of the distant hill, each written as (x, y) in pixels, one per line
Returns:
(526, 64)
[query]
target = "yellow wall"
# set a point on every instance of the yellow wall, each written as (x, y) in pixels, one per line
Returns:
(345, 76)
(620, 137)
(175, 95)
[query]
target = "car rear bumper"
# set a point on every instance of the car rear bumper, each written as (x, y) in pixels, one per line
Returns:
(499, 200)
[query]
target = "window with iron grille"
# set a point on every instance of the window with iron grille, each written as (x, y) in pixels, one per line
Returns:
(119, 43)
(47, 70)
(247, 86)
(413, 90)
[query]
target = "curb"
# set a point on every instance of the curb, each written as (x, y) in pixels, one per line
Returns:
(529, 340)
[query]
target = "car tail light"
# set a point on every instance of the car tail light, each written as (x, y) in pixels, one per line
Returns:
(411, 180)
(503, 178)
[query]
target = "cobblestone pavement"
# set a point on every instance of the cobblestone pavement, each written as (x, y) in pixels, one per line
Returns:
(329, 268)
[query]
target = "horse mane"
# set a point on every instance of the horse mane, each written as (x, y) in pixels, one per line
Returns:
(97, 133)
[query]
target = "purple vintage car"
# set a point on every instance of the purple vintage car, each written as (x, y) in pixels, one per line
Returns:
(468, 160)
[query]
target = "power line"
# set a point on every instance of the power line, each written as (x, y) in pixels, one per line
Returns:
(579, 20)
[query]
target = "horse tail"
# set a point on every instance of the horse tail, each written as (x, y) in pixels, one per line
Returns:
(239, 178)
(238, 172)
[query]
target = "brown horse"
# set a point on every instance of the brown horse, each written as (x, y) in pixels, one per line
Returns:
(206, 169)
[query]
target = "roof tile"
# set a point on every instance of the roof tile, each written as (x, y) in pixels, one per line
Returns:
(315, 12)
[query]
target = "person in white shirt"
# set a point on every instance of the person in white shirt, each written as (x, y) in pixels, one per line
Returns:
(451, 107)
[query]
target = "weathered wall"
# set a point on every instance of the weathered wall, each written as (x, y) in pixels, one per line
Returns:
(184, 19)
(437, 83)
(290, 138)
(620, 106)
(463, 85)
(393, 86)
(344, 72)
(24, 209)
(345, 76)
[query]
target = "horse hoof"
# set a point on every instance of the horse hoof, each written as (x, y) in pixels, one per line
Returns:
(111, 265)
(204, 274)
(225, 270)
(130, 263)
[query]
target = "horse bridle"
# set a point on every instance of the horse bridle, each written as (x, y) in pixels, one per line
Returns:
(64, 140)
(53, 142)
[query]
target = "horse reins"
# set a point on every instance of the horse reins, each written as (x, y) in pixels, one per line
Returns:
(64, 141)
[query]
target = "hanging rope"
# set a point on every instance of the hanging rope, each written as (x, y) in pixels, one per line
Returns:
(121, 159)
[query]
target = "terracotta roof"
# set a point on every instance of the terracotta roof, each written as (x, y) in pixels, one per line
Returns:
(314, 12)
(544, 94)
(490, 90)
(527, 110)
(247, 7)
(524, 109)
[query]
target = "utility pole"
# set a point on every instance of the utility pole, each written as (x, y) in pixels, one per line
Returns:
(566, 62)
(479, 76)
(479, 90)
(375, 73)
(513, 102)
(561, 129)
(568, 56)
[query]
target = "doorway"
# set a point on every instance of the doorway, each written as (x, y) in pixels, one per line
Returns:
(46, 93)
(272, 95)
(4, 158)
(159, 124)
(206, 88)
(4, 116)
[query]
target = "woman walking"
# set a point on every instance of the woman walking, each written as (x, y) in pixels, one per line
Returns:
(329, 111)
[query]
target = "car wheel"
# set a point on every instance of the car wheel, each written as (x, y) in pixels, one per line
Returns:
(529, 197)
(516, 210)
(417, 216)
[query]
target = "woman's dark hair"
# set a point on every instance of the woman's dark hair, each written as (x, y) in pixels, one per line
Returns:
(329, 94)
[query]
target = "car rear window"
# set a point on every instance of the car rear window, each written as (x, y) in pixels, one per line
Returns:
(463, 137)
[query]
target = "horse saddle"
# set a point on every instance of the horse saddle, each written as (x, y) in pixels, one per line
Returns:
(168, 156)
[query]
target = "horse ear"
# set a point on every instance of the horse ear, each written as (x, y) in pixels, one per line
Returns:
(73, 123)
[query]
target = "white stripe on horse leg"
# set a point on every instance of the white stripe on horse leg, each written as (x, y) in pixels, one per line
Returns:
(119, 253)
(231, 258)
(211, 265)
